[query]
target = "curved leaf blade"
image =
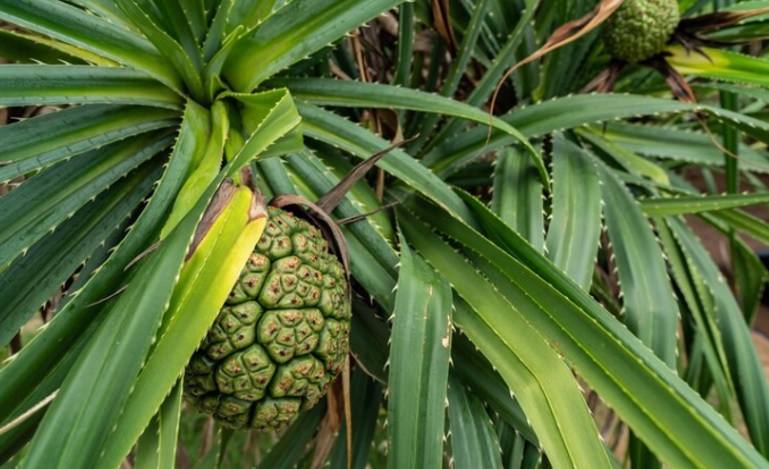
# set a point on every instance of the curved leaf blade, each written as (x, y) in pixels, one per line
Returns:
(26, 85)
(473, 441)
(63, 134)
(532, 369)
(41, 366)
(644, 391)
(648, 300)
(31, 280)
(74, 26)
(330, 128)
(92, 395)
(719, 65)
(46, 200)
(291, 33)
(688, 204)
(575, 226)
(419, 364)
(328, 92)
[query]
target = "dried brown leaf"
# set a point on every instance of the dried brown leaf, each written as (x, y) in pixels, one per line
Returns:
(442, 24)
(565, 34)
(718, 20)
(334, 197)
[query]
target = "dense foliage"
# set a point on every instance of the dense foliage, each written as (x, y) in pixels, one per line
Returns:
(507, 272)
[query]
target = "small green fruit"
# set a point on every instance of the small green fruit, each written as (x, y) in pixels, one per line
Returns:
(639, 29)
(282, 337)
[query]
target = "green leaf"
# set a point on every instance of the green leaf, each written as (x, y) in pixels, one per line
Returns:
(32, 279)
(744, 362)
(644, 391)
(208, 160)
(575, 225)
(106, 9)
(250, 13)
(532, 369)
(750, 277)
(573, 111)
(503, 58)
(186, 23)
(648, 301)
(741, 221)
(369, 337)
(193, 307)
(700, 311)
(41, 366)
(216, 31)
(16, 46)
(419, 364)
(473, 441)
(267, 117)
(63, 134)
(402, 76)
(356, 94)
(719, 65)
(74, 26)
(365, 394)
(631, 162)
(92, 395)
(293, 32)
(44, 201)
(517, 195)
(676, 144)
(457, 69)
(186, 61)
(333, 129)
(26, 85)
(478, 374)
(157, 446)
(688, 204)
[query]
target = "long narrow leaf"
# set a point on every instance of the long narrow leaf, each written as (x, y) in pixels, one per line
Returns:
(41, 366)
(193, 306)
(357, 94)
(744, 362)
(644, 391)
(331, 128)
(648, 301)
(46, 200)
(419, 364)
(29, 281)
(473, 441)
(575, 225)
(671, 143)
(93, 393)
(291, 33)
(719, 65)
(156, 449)
(74, 26)
(364, 394)
(684, 205)
(185, 61)
(25, 85)
(517, 195)
(42, 141)
(531, 368)
(572, 111)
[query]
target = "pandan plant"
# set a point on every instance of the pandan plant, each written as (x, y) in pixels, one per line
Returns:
(522, 287)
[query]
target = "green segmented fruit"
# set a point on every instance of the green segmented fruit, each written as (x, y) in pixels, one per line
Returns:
(639, 29)
(282, 336)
